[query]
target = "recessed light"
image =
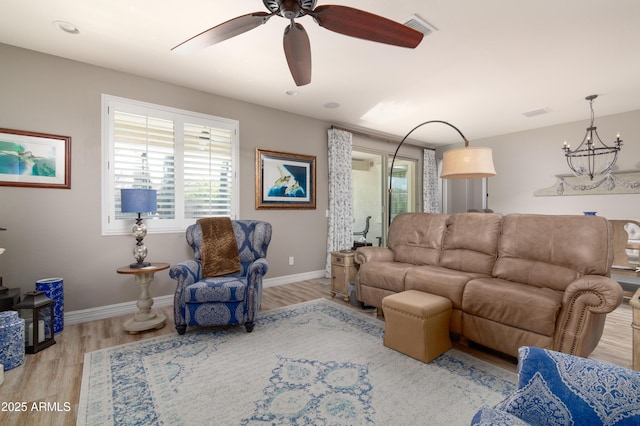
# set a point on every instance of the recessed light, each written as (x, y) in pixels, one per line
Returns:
(332, 105)
(66, 27)
(292, 92)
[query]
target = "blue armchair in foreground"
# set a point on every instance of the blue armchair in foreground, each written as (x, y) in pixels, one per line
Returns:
(560, 389)
(228, 299)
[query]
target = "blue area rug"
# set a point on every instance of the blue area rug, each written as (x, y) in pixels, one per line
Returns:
(315, 363)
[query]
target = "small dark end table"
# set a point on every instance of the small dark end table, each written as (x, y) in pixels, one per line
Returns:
(8, 299)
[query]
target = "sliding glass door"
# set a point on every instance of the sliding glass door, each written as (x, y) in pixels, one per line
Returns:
(368, 203)
(403, 187)
(370, 194)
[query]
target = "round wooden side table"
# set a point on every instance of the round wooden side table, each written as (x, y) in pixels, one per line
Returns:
(145, 318)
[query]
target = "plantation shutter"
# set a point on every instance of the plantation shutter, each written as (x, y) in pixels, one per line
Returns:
(144, 155)
(189, 158)
(208, 171)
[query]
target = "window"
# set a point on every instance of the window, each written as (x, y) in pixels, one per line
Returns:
(190, 159)
(404, 187)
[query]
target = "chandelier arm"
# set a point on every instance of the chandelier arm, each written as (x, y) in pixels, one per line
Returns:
(395, 154)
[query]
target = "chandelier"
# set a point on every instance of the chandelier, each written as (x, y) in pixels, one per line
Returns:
(592, 157)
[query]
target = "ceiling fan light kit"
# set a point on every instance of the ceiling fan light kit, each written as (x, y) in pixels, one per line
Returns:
(340, 19)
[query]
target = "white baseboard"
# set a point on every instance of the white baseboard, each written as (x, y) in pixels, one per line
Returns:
(102, 312)
(288, 279)
(108, 311)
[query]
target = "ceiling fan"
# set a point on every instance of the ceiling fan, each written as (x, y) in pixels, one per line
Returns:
(341, 19)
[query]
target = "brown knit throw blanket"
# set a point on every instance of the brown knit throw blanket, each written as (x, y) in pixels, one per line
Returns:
(219, 248)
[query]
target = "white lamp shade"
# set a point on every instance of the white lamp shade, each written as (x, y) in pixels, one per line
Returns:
(467, 163)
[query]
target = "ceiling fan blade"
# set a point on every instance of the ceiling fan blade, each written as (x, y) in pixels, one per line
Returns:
(224, 31)
(360, 24)
(297, 49)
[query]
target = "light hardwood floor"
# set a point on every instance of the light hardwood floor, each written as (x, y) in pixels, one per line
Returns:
(55, 374)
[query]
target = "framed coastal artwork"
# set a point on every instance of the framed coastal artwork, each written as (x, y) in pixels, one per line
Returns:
(31, 159)
(285, 180)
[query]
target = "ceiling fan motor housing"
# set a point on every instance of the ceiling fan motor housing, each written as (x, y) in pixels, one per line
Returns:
(289, 9)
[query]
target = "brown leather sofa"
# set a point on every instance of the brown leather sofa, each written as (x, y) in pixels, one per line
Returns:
(514, 280)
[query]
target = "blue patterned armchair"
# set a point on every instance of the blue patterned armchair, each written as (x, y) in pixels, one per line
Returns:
(223, 300)
(560, 389)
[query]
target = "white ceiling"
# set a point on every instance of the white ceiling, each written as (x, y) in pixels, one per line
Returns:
(489, 62)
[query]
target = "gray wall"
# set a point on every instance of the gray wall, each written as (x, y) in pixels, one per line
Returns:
(528, 161)
(57, 233)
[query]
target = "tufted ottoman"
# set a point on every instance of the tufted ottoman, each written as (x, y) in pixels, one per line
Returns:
(417, 324)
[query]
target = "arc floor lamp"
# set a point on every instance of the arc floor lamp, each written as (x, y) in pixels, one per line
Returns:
(459, 163)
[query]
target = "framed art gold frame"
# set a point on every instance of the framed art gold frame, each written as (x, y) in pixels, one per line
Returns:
(285, 180)
(37, 160)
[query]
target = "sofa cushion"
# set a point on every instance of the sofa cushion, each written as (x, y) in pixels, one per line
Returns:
(216, 289)
(517, 305)
(441, 281)
(553, 251)
(385, 275)
(417, 238)
(471, 242)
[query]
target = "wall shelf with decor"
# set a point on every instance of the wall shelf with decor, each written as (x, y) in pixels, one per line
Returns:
(623, 182)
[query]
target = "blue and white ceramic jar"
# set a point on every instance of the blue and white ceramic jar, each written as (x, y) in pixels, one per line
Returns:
(11, 339)
(53, 289)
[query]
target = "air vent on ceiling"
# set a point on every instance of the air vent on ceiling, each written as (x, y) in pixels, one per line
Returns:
(535, 112)
(419, 24)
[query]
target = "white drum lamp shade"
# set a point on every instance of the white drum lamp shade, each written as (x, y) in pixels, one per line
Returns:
(467, 163)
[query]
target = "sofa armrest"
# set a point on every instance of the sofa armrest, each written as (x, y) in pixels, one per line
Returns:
(596, 293)
(373, 254)
(585, 303)
(186, 273)
(253, 295)
(259, 267)
(566, 389)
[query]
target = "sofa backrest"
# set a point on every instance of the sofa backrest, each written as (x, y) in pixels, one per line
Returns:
(551, 251)
(252, 238)
(417, 237)
(471, 242)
